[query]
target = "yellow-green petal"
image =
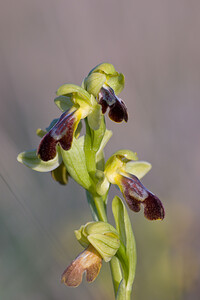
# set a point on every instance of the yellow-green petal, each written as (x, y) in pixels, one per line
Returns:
(94, 82)
(138, 168)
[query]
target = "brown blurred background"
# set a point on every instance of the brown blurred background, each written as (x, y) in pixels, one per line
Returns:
(156, 44)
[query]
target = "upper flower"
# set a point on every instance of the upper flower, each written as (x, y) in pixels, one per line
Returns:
(118, 110)
(122, 169)
(104, 82)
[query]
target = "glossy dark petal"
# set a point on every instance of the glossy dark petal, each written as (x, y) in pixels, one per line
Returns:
(153, 208)
(62, 132)
(118, 110)
(47, 148)
(104, 105)
(136, 194)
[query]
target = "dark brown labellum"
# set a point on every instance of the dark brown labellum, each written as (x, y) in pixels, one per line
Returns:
(118, 110)
(62, 132)
(136, 194)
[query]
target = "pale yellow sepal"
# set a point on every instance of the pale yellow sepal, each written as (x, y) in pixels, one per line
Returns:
(31, 160)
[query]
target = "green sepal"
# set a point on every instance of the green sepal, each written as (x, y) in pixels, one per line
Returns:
(81, 237)
(67, 89)
(94, 82)
(63, 102)
(99, 227)
(138, 168)
(74, 160)
(106, 244)
(116, 83)
(123, 226)
(94, 118)
(31, 160)
(104, 68)
(60, 174)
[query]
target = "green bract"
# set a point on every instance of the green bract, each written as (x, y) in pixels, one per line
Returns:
(128, 254)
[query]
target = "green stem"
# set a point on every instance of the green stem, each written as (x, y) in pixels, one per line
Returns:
(100, 208)
(98, 203)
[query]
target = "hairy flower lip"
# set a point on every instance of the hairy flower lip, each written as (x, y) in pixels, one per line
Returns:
(118, 110)
(88, 261)
(135, 194)
(61, 133)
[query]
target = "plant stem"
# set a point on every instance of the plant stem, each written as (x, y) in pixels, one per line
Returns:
(98, 203)
(100, 209)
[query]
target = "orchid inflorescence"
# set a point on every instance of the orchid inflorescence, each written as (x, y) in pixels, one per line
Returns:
(65, 153)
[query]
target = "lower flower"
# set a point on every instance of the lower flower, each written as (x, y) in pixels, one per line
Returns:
(89, 261)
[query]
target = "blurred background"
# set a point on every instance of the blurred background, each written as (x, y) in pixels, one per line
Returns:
(45, 44)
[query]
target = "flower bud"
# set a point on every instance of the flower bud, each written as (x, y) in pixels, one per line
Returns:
(102, 236)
